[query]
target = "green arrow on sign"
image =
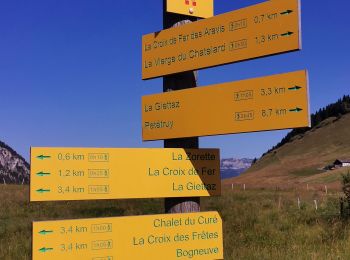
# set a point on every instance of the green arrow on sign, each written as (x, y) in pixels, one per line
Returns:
(42, 190)
(286, 34)
(286, 12)
(42, 157)
(41, 174)
(45, 249)
(45, 232)
(295, 88)
(297, 109)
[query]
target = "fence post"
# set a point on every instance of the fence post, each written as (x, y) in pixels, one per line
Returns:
(341, 207)
(279, 202)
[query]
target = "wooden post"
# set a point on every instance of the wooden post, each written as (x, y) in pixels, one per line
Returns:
(172, 83)
(279, 202)
(341, 201)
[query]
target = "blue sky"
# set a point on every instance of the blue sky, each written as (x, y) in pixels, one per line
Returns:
(70, 71)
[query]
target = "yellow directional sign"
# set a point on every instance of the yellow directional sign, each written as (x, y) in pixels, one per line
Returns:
(170, 236)
(268, 28)
(268, 103)
(113, 173)
(197, 8)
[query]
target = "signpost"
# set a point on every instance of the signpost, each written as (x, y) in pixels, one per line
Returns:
(268, 103)
(170, 236)
(197, 8)
(268, 28)
(180, 172)
(112, 173)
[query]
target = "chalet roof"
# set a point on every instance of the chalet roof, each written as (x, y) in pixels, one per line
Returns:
(343, 160)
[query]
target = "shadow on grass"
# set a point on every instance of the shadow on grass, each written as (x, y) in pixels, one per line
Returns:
(100, 211)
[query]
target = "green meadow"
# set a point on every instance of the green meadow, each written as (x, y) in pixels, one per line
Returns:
(258, 224)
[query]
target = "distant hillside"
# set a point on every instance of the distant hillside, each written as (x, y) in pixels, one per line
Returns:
(301, 155)
(233, 167)
(13, 168)
(337, 109)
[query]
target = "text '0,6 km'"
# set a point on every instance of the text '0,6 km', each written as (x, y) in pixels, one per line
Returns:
(260, 104)
(170, 236)
(265, 29)
(120, 173)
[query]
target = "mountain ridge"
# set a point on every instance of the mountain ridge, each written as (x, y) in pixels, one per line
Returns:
(231, 167)
(14, 169)
(302, 155)
(336, 109)
(303, 158)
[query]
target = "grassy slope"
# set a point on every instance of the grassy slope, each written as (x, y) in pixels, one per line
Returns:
(258, 224)
(17, 214)
(298, 161)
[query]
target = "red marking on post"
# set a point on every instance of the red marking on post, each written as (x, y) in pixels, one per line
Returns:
(194, 3)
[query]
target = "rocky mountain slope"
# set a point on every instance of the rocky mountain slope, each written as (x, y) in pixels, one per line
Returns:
(13, 168)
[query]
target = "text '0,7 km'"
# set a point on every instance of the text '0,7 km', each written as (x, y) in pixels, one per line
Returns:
(265, 29)
(260, 104)
(120, 173)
